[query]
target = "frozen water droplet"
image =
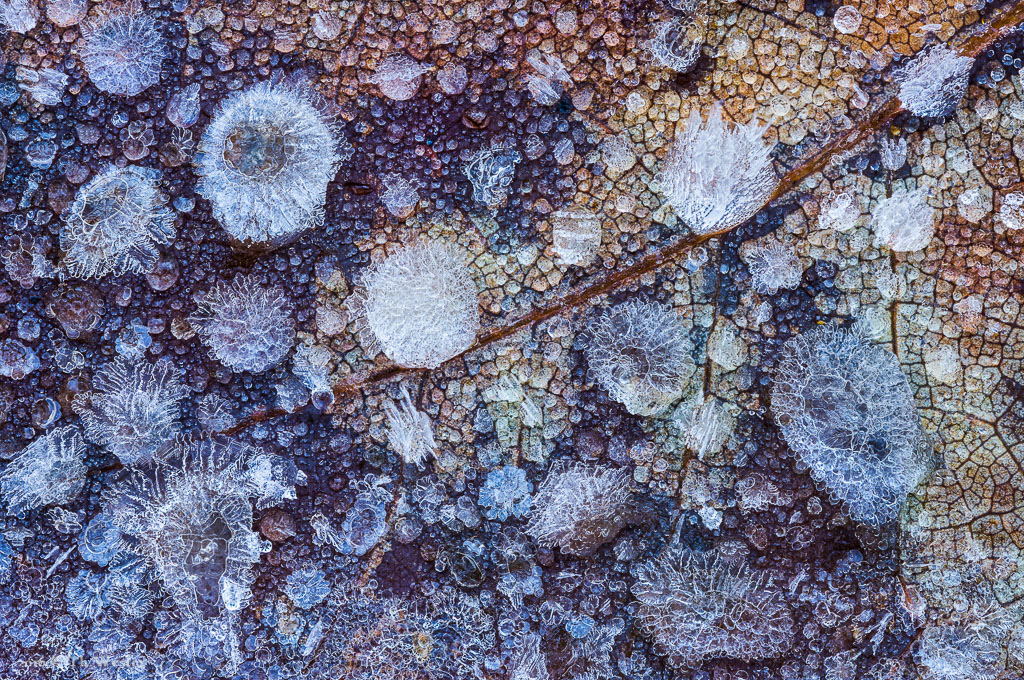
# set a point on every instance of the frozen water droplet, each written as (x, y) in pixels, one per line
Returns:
(183, 108)
(847, 19)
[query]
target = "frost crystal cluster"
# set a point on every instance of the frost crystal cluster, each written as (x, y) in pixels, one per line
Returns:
(190, 517)
(698, 605)
(265, 161)
(579, 508)
(639, 352)
(904, 222)
(124, 51)
(506, 493)
(846, 410)
(19, 16)
(958, 652)
(133, 409)
(410, 433)
(717, 174)
(774, 266)
(934, 81)
(576, 236)
(116, 224)
(421, 304)
(246, 324)
(400, 195)
(840, 212)
(49, 471)
(491, 171)
(399, 76)
(549, 78)
(677, 42)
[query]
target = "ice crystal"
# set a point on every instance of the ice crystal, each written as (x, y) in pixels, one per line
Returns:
(66, 13)
(312, 366)
(576, 236)
(846, 410)
(717, 174)
(131, 601)
(421, 304)
(17, 360)
(529, 662)
(366, 521)
(246, 324)
(49, 471)
(183, 107)
(124, 51)
(506, 493)
(24, 259)
(893, 153)
(706, 426)
(954, 652)
(265, 161)
(214, 413)
(840, 212)
(19, 16)
(400, 195)
(372, 637)
(45, 85)
(86, 593)
(190, 518)
(491, 171)
(116, 223)
(518, 575)
(100, 541)
(133, 409)
(64, 521)
(410, 433)
(1011, 214)
(774, 266)
(640, 353)
(847, 19)
(904, 221)
(934, 81)
(399, 76)
(549, 78)
(677, 41)
(578, 509)
(306, 587)
(697, 605)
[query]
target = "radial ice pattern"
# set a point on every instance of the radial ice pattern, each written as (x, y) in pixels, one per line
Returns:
(265, 162)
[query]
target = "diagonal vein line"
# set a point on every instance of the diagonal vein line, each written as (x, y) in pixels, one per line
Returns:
(982, 36)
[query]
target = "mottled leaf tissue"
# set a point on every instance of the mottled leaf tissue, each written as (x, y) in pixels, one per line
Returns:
(511, 340)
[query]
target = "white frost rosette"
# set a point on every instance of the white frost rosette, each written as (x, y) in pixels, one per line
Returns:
(717, 174)
(265, 162)
(421, 305)
(116, 224)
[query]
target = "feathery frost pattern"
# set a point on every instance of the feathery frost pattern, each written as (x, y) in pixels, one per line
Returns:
(934, 81)
(697, 606)
(123, 51)
(578, 509)
(49, 471)
(421, 304)
(265, 161)
(904, 222)
(410, 433)
(116, 224)
(190, 518)
(133, 409)
(246, 324)
(640, 353)
(846, 410)
(717, 174)
(774, 266)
